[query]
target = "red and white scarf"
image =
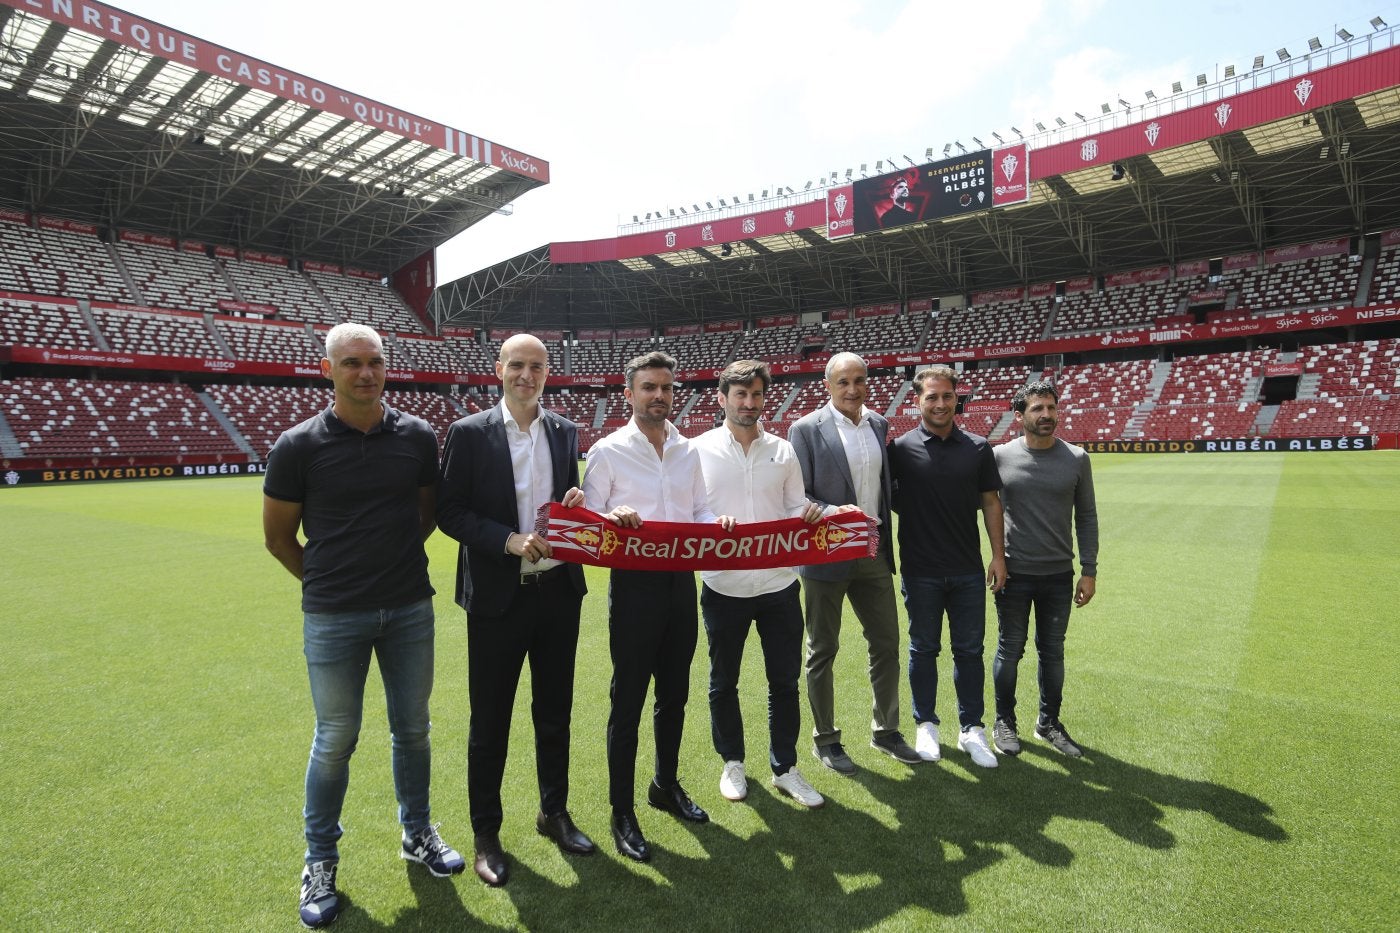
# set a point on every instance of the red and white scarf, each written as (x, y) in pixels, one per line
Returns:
(585, 537)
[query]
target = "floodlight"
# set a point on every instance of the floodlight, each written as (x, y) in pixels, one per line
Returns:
(1040, 127)
(1377, 23)
(1124, 104)
(1176, 87)
(909, 160)
(1151, 95)
(709, 205)
(1081, 116)
(997, 137)
(1258, 62)
(961, 147)
(1059, 121)
(946, 148)
(849, 173)
(928, 153)
(1314, 44)
(635, 220)
(1017, 132)
(1229, 71)
(1344, 35)
(697, 208)
(1283, 55)
(1105, 108)
(1200, 80)
(765, 190)
(863, 168)
(879, 165)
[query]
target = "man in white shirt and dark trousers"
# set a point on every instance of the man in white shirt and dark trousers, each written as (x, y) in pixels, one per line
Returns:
(648, 471)
(754, 476)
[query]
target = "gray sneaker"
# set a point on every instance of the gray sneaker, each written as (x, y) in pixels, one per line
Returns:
(893, 744)
(834, 757)
(1005, 737)
(320, 904)
(1057, 735)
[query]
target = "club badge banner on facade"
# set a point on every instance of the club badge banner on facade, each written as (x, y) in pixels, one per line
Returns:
(584, 537)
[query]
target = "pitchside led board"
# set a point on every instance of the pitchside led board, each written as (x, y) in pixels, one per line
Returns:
(972, 182)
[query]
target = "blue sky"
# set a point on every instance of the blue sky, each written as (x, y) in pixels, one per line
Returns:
(645, 106)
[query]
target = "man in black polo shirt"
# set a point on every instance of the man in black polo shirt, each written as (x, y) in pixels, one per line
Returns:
(359, 480)
(942, 477)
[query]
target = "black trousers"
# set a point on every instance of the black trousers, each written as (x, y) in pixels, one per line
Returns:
(542, 625)
(652, 630)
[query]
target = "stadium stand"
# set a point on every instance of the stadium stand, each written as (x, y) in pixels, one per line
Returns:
(157, 333)
(277, 285)
(167, 277)
(364, 299)
(53, 325)
(270, 342)
(24, 265)
(101, 418)
(993, 324)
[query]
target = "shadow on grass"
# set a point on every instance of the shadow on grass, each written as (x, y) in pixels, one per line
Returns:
(840, 867)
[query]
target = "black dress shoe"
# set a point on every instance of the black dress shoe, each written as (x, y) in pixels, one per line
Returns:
(628, 836)
(560, 827)
(675, 800)
(491, 865)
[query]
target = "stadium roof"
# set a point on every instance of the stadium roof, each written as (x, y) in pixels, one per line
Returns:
(121, 122)
(1330, 169)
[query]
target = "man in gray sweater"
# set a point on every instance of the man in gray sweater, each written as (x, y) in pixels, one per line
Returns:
(1047, 485)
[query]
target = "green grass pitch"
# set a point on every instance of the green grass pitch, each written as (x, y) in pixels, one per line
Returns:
(1236, 683)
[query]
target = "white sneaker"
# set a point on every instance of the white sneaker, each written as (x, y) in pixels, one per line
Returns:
(732, 783)
(795, 786)
(974, 742)
(926, 741)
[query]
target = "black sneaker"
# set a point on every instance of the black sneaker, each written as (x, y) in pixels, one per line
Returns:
(1057, 735)
(893, 744)
(320, 905)
(427, 849)
(834, 757)
(1005, 737)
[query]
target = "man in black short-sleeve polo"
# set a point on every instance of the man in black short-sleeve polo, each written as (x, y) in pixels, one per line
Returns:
(359, 481)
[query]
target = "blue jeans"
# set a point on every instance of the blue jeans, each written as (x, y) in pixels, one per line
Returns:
(338, 646)
(964, 598)
(1051, 594)
(778, 618)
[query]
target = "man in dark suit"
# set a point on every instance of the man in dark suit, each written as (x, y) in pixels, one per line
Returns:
(498, 468)
(841, 448)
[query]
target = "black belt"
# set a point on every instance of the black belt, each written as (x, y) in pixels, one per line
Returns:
(544, 577)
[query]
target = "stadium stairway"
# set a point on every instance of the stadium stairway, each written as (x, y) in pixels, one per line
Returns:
(1264, 421)
(1307, 386)
(689, 404)
(127, 278)
(1363, 282)
(1161, 371)
(218, 338)
(781, 412)
(227, 424)
(85, 309)
(600, 411)
(897, 403)
(9, 444)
